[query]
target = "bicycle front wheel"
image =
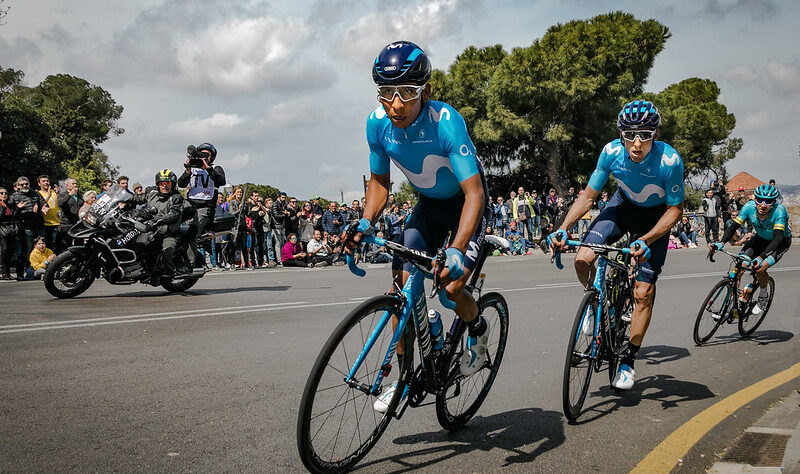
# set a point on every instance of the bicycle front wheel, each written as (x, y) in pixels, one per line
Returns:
(713, 311)
(337, 424)
(750, 322)
(462, 396)
(579, 362)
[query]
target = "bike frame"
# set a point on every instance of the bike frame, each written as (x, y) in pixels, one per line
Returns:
(412, 297)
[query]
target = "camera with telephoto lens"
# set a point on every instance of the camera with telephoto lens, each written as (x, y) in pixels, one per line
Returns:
(195, 156)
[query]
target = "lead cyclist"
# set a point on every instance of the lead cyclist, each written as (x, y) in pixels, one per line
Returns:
(648, 202)
(428, 141)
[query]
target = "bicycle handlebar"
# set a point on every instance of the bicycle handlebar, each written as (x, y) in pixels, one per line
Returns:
(410, 254)
(556, 258)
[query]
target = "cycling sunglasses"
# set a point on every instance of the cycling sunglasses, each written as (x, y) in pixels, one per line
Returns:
(405, 92)
(767, 202)
(644, 135)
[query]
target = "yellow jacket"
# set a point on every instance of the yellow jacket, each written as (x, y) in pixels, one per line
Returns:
(51, 217)
(39, 259)
(515, 204)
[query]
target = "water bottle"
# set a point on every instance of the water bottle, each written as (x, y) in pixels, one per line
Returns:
(435, 323)
(747, 291)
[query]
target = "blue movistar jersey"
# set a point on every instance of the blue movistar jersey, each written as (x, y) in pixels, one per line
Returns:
(435, 152)
(658, 179)
(777, 219)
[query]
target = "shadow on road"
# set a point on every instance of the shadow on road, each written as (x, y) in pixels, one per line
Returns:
(159, 293)
(525, 434)
(664, 388)
(655, 355)
(762, 338)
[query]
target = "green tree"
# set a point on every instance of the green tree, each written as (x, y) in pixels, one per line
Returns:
(407, 192)
(697, 126)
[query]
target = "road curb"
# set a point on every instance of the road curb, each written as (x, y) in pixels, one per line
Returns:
(664, 457)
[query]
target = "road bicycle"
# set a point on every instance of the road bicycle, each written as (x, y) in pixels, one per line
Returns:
(602, 325)
(730, 302)
(337, 424)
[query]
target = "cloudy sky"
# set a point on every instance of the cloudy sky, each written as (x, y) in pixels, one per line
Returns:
(283, 89)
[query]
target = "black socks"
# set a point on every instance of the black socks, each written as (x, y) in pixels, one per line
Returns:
(629, 354)
(477, 326)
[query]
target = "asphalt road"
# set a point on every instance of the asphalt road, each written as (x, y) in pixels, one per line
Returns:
(130, 378)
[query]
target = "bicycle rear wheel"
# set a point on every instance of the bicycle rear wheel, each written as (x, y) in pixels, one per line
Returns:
(578, 366)
(337, 425)
(714, 311)
(462, 396)
(750, 322)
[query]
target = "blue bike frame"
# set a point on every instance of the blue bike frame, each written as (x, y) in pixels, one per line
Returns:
(414, 307)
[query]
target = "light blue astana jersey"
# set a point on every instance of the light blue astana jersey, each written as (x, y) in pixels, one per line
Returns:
(658, 179)
(777, 219)
(435, 152)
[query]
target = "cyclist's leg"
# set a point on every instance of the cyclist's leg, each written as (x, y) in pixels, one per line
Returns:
(603, 229)
(644, 290)
(771, 259)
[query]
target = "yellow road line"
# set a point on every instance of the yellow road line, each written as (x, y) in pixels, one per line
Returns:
(664, 457)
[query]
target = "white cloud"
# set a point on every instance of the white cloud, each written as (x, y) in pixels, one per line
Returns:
(743, 75)
(206, 126)
(238, 162)
(421, 23)
(784, 77)
(754, 122)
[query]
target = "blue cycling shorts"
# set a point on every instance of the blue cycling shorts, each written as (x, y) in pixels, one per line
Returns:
(430, 222)
(622, 215)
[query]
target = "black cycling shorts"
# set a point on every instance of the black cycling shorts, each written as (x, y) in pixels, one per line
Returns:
(620, 216)
(756, 246)
(430, 222)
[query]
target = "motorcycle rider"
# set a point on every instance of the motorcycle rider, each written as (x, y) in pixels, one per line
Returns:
(166, 203)
(202, 194)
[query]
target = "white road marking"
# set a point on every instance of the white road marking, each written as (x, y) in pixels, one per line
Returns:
(204, 312)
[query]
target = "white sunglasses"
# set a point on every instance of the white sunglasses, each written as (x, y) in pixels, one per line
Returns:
(405, 92)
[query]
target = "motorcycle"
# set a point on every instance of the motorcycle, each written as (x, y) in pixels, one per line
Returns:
(116, 244)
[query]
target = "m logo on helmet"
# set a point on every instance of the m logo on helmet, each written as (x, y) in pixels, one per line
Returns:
(395, 45)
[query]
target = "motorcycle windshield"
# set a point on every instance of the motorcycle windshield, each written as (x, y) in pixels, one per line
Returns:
(110, 200)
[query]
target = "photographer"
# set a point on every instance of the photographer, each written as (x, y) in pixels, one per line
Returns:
(203, 181)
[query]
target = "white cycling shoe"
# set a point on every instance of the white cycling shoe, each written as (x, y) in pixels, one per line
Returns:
(763, 301)
(475, 354)
(624, 378)
(382, 402)
(588, 324)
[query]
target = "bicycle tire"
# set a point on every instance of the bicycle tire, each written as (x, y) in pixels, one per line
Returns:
(482, 380)
(313, 451)
(744, 330)
(575, 386)
(700, 335)
(620, 332)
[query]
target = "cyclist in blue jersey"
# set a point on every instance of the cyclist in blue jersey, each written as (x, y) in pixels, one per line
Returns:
(648, 202)
(772, 240)
(428, 141)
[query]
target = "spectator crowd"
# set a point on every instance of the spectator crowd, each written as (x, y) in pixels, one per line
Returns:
(287, 232)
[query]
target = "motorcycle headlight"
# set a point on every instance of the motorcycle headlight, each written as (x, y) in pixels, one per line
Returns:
(91, 218)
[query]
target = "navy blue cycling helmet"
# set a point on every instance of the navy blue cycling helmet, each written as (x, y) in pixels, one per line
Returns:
(209, 148)
(637, 115)
(766, 191)
(401, 62)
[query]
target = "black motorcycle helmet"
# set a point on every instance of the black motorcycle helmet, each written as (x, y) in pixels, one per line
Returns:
(167, 176)
(210, 149)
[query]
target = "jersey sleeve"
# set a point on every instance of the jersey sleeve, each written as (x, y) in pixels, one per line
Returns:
(378, 159)
(599, 176)
(454, 140)
(673, 176)
(781, 219)
(747, 210)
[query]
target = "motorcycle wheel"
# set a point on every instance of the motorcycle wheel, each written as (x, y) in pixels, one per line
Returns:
(179, 285)
(68, 276)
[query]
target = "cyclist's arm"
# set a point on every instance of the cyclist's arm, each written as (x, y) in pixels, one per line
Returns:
(377, 195)
(471, 211)
(664, 224)
(583, 203)
(777, 238)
